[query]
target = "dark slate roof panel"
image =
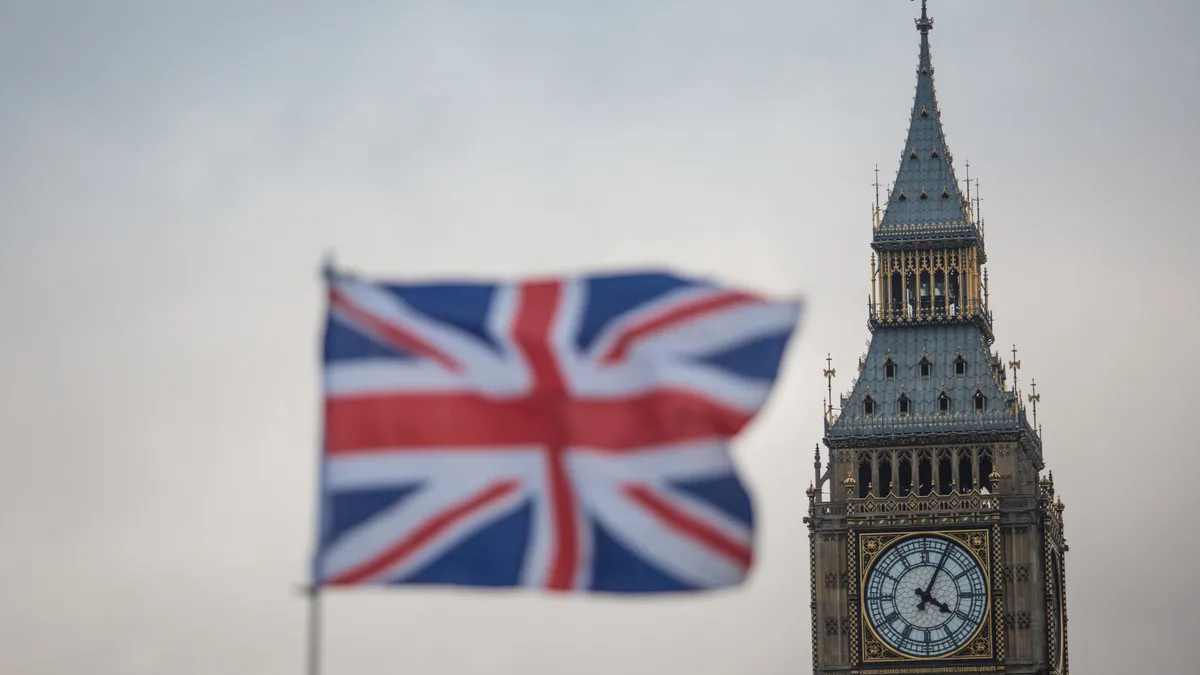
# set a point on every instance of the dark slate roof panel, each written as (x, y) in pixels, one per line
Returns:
(930, 170)
(942, 345)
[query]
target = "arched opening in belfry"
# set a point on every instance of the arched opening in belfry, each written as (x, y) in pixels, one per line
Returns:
(965, 482)
(952, 293)
(939, 293)
(926, 293)
(885, 477)
(897, 295)
(945, 474)
(905, 477)
(985, 470)
(864, 476)
(910, 300)
(924, 475)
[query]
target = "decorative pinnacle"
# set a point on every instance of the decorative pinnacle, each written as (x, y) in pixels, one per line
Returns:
(1034, 398)
(1015, 365)
(830, 372)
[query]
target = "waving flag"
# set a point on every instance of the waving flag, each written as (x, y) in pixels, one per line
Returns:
(569, 434)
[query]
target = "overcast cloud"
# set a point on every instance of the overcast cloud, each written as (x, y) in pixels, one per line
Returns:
(171, 172)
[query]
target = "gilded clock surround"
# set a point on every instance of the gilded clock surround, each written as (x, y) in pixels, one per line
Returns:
(933, 436)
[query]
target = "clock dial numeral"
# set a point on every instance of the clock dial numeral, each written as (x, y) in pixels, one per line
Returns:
(925, 595)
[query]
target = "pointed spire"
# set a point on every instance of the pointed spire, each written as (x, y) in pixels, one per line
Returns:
(926, 167)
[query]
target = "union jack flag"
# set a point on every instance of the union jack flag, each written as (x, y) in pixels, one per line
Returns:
(569, 434)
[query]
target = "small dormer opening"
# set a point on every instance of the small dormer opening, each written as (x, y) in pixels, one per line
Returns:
(960, 366)
(924, 112)
(903, 198)
(889, 369)
(903, 405)
(980, 402)
(868, 405)
(943, 403)
(945, 193)
(912, 154)
(926, 368)
(934, 153)
(924, 194)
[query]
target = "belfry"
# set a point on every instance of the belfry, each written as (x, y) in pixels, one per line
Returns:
(936, 545)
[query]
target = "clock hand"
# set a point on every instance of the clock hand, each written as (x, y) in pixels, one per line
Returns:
(927, 595)
(933, 578)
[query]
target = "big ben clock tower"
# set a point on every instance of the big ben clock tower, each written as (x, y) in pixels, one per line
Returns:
(936, 545)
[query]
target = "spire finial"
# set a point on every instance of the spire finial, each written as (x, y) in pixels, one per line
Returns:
(924, 24)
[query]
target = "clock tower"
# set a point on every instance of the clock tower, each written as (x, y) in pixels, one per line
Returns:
(936, 545)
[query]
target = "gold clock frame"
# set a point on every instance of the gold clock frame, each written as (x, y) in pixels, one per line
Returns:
(867, 649)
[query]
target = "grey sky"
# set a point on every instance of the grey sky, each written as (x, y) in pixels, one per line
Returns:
(170, 174)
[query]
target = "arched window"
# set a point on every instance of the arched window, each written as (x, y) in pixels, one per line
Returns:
(945, 473)
(904, 478)
(868, 405)
(960, 366)
(864, 477)
(965, 482)
(980, 401)
(924, 475)
(885, 477)
(903, 405)
(889, 369)
(926, 368)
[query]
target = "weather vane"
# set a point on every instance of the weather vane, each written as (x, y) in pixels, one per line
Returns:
(1034, 398)
(830, 372)
(1015, 365)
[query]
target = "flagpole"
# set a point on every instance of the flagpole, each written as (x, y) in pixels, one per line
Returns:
(313, 590)
(314, 629)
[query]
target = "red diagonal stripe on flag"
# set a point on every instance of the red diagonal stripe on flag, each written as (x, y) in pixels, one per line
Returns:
(422, 535)
(690, 527)
(677, 315)
(388, 333)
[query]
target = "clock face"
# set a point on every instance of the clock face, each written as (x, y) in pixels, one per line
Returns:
(1056, 626)
(925, 596)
